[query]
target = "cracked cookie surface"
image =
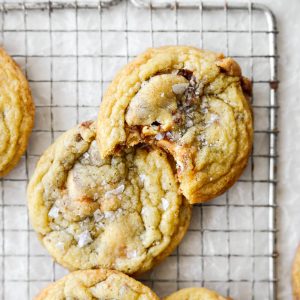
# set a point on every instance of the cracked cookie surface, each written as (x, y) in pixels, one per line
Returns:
(195, 294)
(96, 284)
(189, 102)
(123, 212)
(16, 113)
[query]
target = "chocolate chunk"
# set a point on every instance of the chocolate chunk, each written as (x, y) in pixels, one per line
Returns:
(246, 86)
(155, 123)
(78, 138)
(187, 74)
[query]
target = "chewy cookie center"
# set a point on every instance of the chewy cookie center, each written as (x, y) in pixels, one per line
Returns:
(174, 111)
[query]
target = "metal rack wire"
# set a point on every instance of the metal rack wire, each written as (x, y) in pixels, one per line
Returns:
(231, 244)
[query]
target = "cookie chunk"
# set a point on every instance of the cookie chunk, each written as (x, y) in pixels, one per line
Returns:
(123, 212)
(16, 113)
(96, 284)
(189, 102)
(195, 294)
(296, 276)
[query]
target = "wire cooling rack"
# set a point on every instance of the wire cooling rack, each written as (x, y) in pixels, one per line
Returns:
(70, 52)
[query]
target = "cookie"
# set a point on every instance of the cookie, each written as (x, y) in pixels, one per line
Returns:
(189, 102)
(195, 294)
(96, 284)
(296, 276)
(16, 113)
(123, 212)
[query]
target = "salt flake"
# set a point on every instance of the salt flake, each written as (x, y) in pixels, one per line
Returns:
(164, 203)
(132, 254)
(98, 215)
(142, 177)
(84, 239)
(86, 155)
(53, 212)
(202, 139)
(117, 191)
(159, 136)
(213, 118)
(189, 123)
(109, 215)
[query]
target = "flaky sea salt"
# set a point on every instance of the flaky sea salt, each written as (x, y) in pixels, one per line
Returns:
(189, 123)
(213, 118)
(54, 227)
(162, 95)
(145, 211)
(86, 155)
(117, 191)
(70, 230)
(53, 212)
(98, 215)
(179, 88)
(132, 254)
(201, 138)
(169, 135)
(204, 107)
(159, 136)
(85, 224)
(164, 203)
(109, 215)
(142, 177)
(84, 239)
(100, 225)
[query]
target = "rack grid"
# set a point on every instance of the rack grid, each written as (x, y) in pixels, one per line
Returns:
(70, 51)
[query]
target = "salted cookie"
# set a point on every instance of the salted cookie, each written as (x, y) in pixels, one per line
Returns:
(16, 113)
(189, 102)
(96, 284)
(123, 212)
(296, 276)
(195, 294)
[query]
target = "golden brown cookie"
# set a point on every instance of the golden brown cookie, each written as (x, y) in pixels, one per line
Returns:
(16, 113)
(188, 102)
(96, 284)
(123, 212)
(296, 276)
(195, 294)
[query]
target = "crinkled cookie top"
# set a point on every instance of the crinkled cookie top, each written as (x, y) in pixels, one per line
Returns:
(189, 102)
(117, 213)
(195, 294)
(96, 284)
(16, 113)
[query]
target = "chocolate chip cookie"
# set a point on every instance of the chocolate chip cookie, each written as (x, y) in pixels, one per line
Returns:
(123, 212)
(96, 284)
(16, 113)
(191, 103)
